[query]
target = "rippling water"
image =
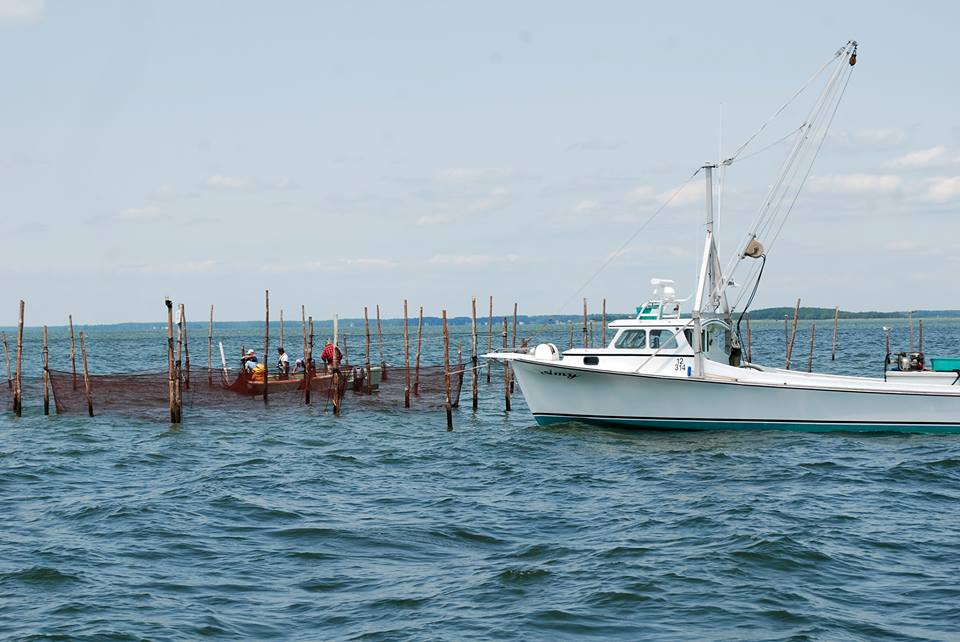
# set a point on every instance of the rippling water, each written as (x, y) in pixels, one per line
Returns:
(380, 525)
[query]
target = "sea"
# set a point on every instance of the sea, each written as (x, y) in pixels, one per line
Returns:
(254, 522)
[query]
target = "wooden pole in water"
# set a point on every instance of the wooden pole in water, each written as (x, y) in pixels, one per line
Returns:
(749, 351)
(793, 333)
(6, 358)
(459, 374)
(383, 364)
(46, 374)
(186, 344)
(833, 345)
(171, 383)
(303, 323)
(335, 379)
(73, 353)
(813, 333)
(416, 372)
(179, 365)
(266, 345)
(591, 333)
(570, 342)
(86, 376)
(920, 342)
(490, 336)
(308, 367)
(336, 366)
(584, 322)
(910, 318)
(506, 371)
(335, 382)
(210, 350)
(446, 371)
(17, 382)
(366, 325)
(603, 324)
(281, 327)
(346, 347)
(474, 359)
(406, 357)
(513, 343)
(336, 339)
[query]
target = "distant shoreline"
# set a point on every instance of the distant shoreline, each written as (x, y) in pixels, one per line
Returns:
(762, 314)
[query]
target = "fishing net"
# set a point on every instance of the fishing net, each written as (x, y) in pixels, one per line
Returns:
(136, 392)
(427, 386)
(119, 393)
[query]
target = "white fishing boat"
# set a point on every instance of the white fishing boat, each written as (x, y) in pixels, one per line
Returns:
(662, 370)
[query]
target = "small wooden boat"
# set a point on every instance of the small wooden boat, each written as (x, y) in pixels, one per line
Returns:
(355, 376)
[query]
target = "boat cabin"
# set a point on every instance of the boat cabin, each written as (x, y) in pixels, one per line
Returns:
(657, 340)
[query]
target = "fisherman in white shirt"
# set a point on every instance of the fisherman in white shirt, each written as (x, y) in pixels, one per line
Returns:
(283, 363)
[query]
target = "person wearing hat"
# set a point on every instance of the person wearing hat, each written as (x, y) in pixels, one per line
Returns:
(249, 361)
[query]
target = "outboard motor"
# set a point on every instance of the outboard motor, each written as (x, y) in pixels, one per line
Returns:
(359, 375)
(907, 361)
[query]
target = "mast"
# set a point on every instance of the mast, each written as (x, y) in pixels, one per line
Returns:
(706, 284)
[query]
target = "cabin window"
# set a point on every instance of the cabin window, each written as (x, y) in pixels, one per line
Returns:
(632, 339)
(663, 340)
(688, 335)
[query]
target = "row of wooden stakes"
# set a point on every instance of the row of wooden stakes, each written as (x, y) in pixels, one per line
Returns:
(15, 379)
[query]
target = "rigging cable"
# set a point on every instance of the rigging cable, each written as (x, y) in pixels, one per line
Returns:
(760, 223)
(786, 104)
(806, 176)
(616, 253)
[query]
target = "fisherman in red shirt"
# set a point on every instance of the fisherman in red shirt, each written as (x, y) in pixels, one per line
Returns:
(327, 356)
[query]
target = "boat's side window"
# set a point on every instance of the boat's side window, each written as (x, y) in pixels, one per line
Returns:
(632, 339)
(663, 339)
(688, 335)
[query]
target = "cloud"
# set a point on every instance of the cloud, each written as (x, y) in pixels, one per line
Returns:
(239, 183)
(942, 190)
(332, 265)
(692, 192)
(474, 175)
(203, 266)
(140, 214)
(433, 219)
(913, 248)
(644, 254)
(477, 259)
(595, 146)
(13, 12)
(585, 206)
(873, 139)
(226, 182)
(856, 183)
(642, 194)
(933, 157)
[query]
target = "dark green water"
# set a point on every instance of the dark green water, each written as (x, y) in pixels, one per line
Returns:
(288, 523)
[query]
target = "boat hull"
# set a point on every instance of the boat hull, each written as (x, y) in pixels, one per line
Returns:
(562, 394)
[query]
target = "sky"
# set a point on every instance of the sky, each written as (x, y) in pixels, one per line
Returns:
(343, 154)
